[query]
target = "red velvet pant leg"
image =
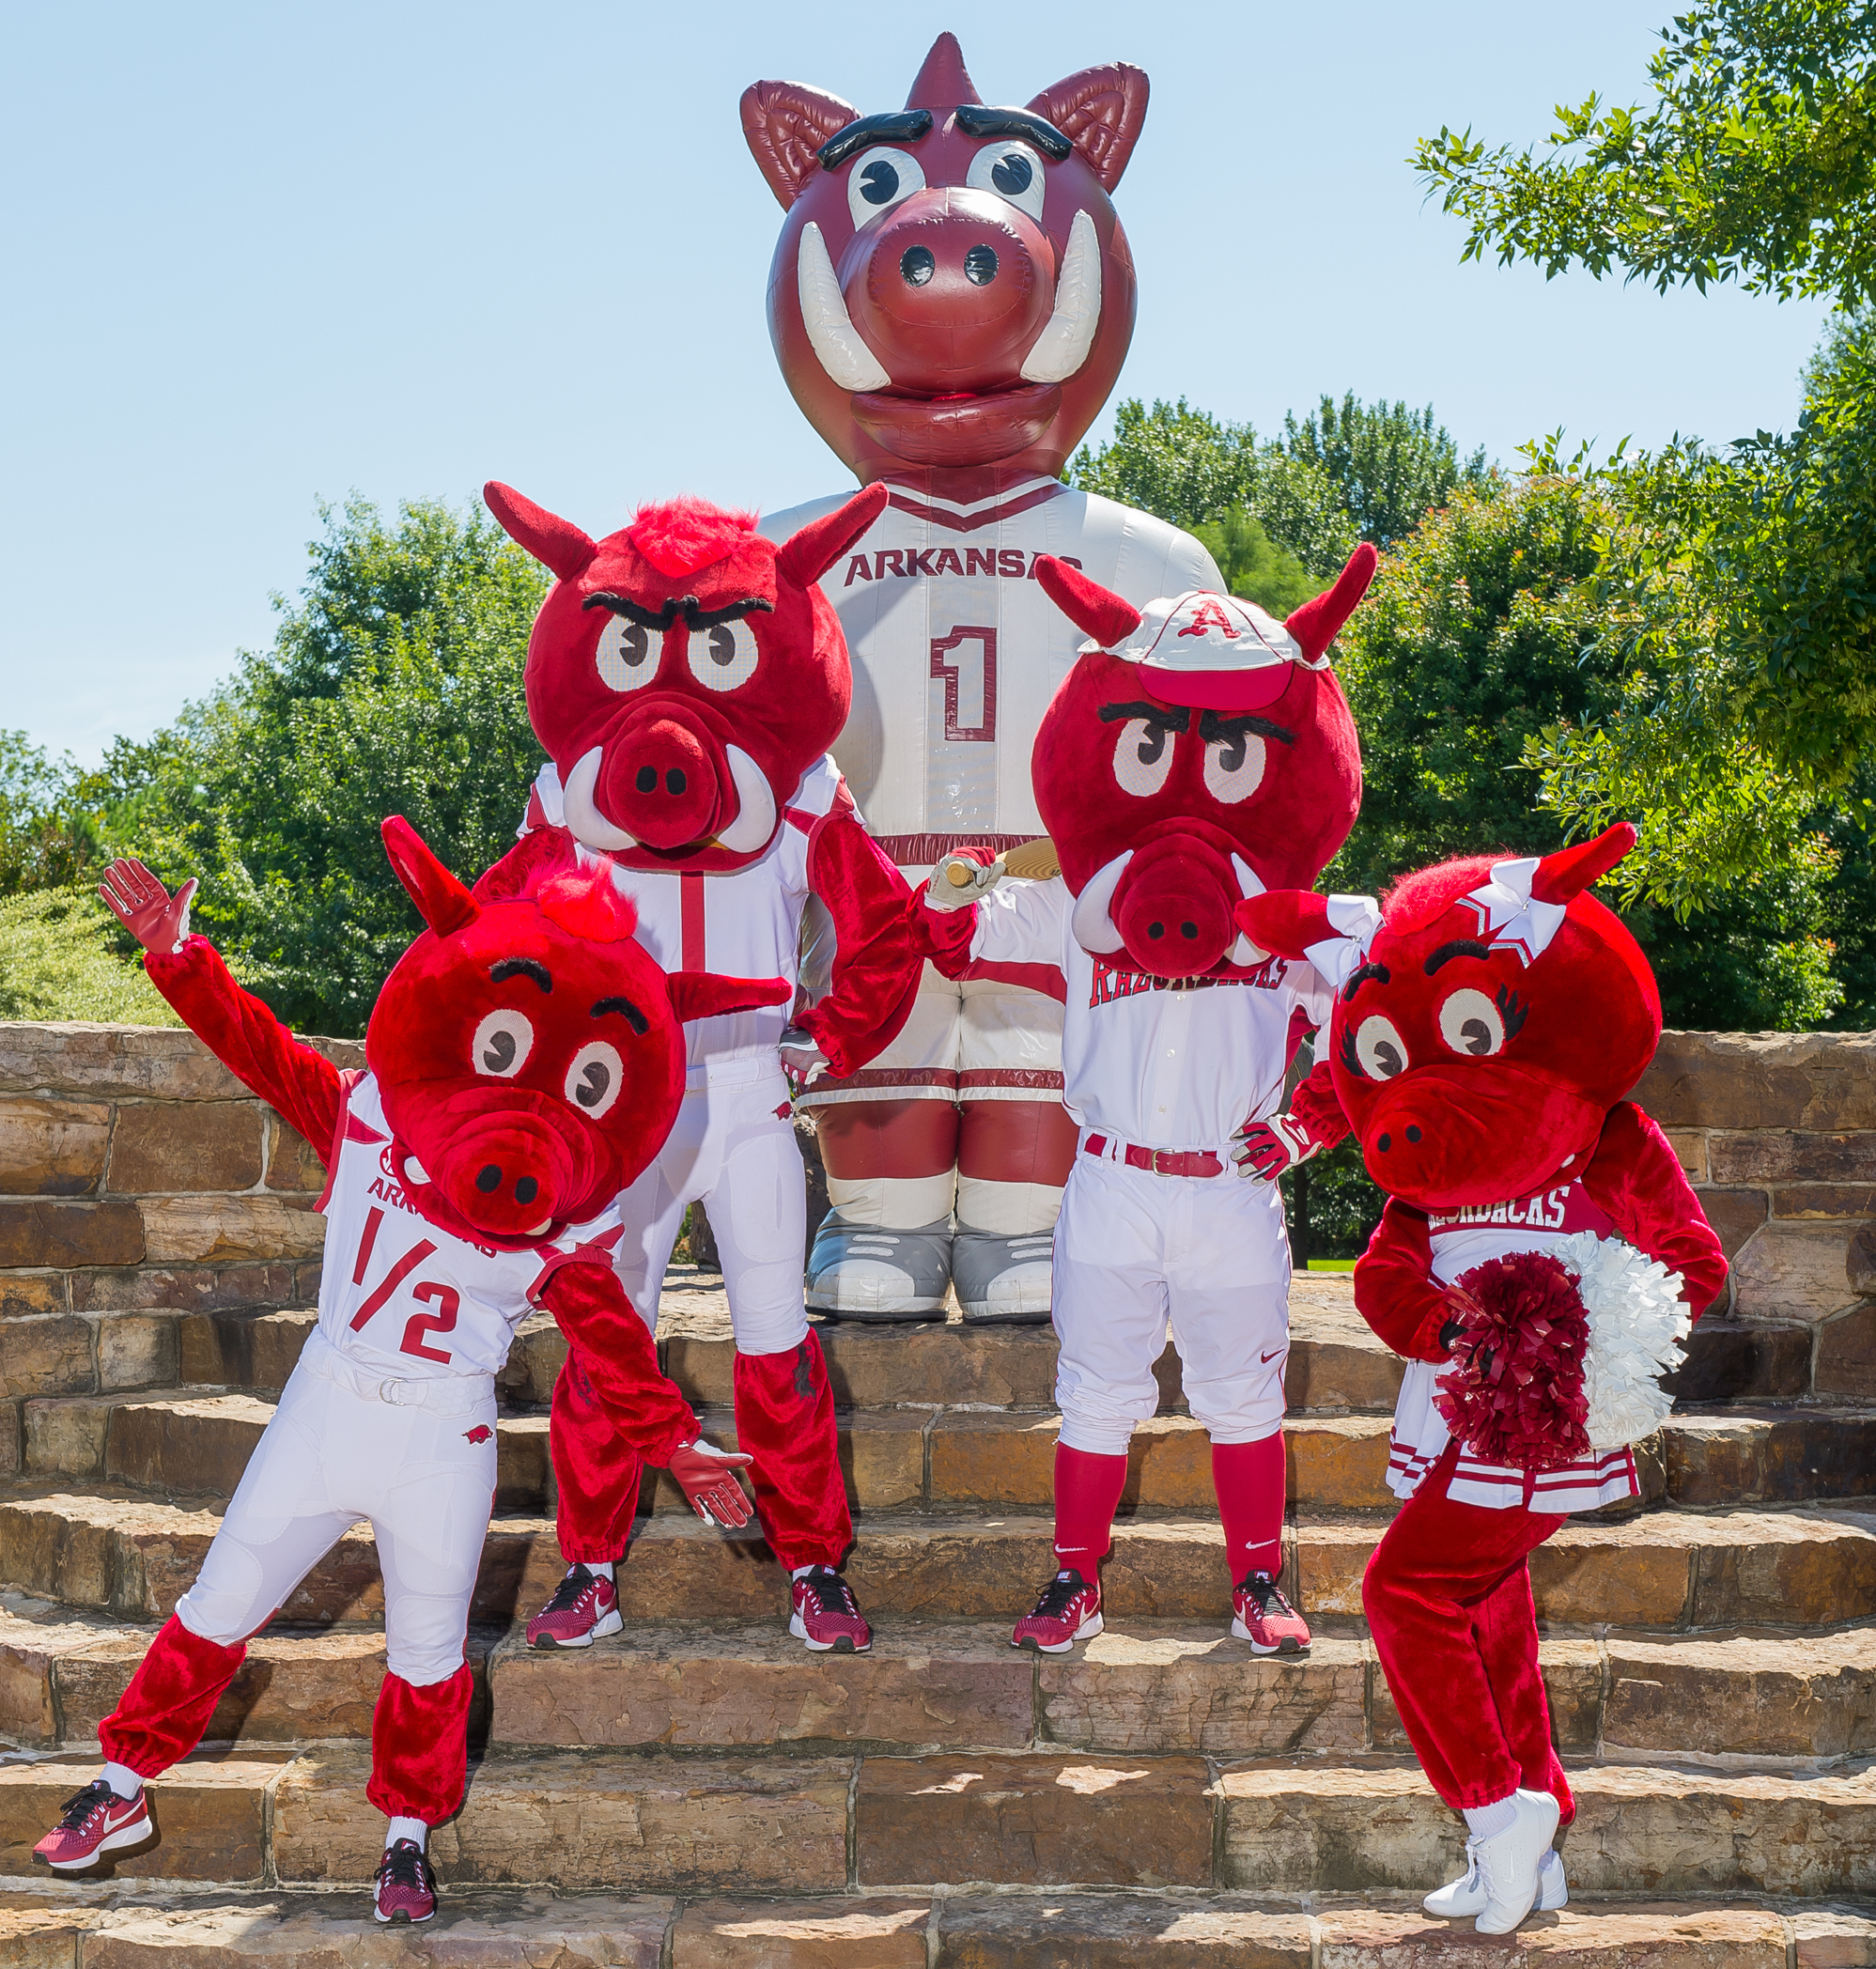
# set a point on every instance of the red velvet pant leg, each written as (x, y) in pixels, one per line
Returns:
(160, 1717)
(1449, 1601)
(420, 1747)
(785, 1420)
(596, 1470)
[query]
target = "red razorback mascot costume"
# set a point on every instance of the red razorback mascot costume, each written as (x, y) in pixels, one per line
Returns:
(1539, 1255)
(1196, 751)
(525, 1061)
(687, 676)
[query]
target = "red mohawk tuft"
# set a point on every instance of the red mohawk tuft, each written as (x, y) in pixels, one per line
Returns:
(680, 535)
(585, 902)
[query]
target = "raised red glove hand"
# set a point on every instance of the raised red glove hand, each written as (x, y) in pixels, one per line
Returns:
(708, 1478)
(159, 921)
(1268, 1148)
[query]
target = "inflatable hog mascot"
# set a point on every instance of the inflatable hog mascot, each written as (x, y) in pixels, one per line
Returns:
(1197, 753)
(951, 300)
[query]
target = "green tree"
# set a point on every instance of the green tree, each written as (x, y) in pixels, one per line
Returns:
(46, 838)
(1393, 464)
(1253, 565)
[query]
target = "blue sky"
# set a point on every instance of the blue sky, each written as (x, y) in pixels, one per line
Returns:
(261, 256)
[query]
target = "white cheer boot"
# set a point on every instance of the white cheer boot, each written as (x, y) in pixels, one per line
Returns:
(1509, 1862)
(1465, 1896)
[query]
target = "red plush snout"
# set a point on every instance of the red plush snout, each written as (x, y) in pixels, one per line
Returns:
(1439, 1137)
(507, 1163)
(1173, 905)
(663, 779)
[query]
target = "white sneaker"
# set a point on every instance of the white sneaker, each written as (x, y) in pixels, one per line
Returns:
(1508, 1862)
(1467, 1895)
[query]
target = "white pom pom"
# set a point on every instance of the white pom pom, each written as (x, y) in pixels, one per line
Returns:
(1637, 1325)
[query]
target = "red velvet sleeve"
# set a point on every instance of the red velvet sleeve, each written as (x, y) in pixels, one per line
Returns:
(304, 1086)
(1316, 1105)
(876, 965)
(620, 1358)
(1637, 1179)
(1394, 1288)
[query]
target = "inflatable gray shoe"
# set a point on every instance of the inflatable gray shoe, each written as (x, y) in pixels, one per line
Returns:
(1002, 1282)
(862, 1272)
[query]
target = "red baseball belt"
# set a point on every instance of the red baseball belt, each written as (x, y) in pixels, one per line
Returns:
(1160, 1162)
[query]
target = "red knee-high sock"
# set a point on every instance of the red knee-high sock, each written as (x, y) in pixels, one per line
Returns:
(1248, 1478)
(1087, 1494)
(164, 1712)
(420, 1747)
(596, 1471)
(785, 1420)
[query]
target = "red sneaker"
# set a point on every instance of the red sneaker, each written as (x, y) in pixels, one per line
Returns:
(1069, 1610)
(826, 1615)
(94, 1822)
(407, 1889)
(584, 1606)
(1261, 1616)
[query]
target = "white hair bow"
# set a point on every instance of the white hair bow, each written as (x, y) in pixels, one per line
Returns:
(1357, 921)
(1512, 917)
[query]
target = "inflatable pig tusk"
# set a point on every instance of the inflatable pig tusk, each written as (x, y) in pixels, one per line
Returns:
(755, 814)
(1068, 334)
(836, 341)
(1093, 927)
(584, 821)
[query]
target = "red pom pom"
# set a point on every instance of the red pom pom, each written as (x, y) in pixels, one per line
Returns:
(1515, 1393)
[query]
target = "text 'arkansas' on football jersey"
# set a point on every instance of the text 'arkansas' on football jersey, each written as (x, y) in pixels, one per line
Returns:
(956, 650)
(1165, 1063)
(402, 1298)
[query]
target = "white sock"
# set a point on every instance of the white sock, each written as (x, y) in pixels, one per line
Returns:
(122, 1779)
(599, 1568)
(412, 1829)
(1485, 1822)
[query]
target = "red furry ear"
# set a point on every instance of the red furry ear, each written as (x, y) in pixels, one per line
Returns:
(1285, 921)
(804, 557)
(1096, 611)
(703, 994)
(1570, 869)
(1100, 111)
(784, 125)
(1316, 624)
(441, 901)
(586, 904)
(556, 542)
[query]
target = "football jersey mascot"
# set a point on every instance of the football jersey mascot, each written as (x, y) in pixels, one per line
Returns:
(1197, 751)
(1540, 1259)
(524, 1061)
(951, 300)
(686, 677)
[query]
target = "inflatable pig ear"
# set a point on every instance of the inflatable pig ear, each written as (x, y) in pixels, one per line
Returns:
(705, 994)
(1100, 111)
(441, 901)
(556, 542)
(784, 125)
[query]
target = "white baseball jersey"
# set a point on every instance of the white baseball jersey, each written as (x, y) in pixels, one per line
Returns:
(402, 1298)
(956, 650)
(1163, 1063)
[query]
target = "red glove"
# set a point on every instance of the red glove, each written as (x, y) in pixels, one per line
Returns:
(159, 921)
(708, 1478)
(1269, 1148)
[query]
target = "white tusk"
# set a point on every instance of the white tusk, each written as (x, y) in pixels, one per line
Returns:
(414, 1171)
(836, 341)
(1093, 926)
(1068, 334)
(584, 821)
(1244, 951)
(755, 817)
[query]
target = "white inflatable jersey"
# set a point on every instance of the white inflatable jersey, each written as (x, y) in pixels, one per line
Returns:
(956, 650)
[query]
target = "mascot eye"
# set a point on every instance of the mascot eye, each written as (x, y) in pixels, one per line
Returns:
(1469, 1022)
(595, 1079)
(724, 654)
(882, 179)
(1142, 757)
(1012, 171)
(501, 1045)
(627, 656)
(1380, 1049)
(1234, 766)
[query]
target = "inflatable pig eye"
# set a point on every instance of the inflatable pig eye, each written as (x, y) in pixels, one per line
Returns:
(595, 1079)
(628, 655)
(882, 179)
(501, 1045)
(723, 656)
(1143, 757)
(1012, 171)
(1380, 1049)
(1469, 1022)
(1234, 766)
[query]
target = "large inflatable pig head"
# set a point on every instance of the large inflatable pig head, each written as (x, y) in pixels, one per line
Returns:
(683, 674)
(952, 286)
(1197, 753)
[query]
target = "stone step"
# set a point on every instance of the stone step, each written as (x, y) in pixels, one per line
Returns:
(635, 1824)
(1011, 1930)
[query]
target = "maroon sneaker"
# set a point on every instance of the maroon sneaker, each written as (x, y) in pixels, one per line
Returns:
(584, 1606)
(1261, 1616)
(95, 1821)
(826, 1615)
(1068, 1610)
(407, 1889)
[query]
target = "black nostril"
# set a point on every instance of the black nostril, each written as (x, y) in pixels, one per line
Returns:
(675, 781)
(488, 1179)
(526, 1190)
(1156, 929)
(1384, 1143)
(916, 266)
(980, 265)
(1188, 929)
(647, 779)
(1413, 1132)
